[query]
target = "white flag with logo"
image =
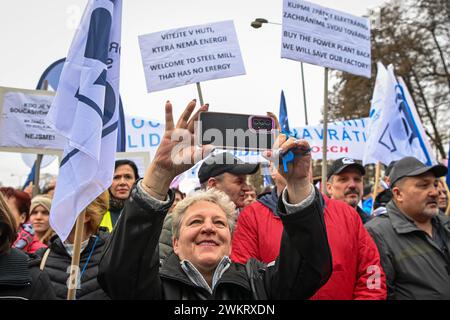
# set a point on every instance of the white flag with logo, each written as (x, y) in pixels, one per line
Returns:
(85, 111)
(394, 130)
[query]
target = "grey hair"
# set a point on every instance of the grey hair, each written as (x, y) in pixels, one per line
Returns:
(211, 195)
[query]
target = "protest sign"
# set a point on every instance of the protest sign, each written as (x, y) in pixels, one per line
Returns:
(326, 37)
(192, 54)
(22, 121)
(143, 134)
(141, 159)
(345, 138)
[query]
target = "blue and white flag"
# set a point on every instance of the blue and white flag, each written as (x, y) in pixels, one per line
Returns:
(448, 166)
(284, 121)
(86, 111)
(395, 130)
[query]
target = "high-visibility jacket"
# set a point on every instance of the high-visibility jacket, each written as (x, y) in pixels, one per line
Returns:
(107, 221)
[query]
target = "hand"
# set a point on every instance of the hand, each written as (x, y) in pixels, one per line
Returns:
(277, 123)
(176, 153)
(298, 175)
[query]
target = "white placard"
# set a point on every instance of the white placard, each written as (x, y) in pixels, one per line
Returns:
(345, 139)
(141, 159)
(22, 120)
(326, 37)
(143, 135)
(188, 55)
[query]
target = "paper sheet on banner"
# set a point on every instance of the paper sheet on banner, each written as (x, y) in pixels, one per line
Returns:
(345, 138)
(192, 54)
(326, 37)
(22, 122)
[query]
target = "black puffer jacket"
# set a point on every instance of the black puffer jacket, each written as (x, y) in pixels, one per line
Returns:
(130, 267)
(165, 239)
(58, 262)
(21, 279)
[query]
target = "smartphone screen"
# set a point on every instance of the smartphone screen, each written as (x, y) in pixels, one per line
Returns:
(235, 131)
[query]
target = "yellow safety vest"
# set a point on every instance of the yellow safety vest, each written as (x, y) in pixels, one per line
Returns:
(107, 221)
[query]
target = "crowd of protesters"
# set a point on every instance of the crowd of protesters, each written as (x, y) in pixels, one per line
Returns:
(145, 240)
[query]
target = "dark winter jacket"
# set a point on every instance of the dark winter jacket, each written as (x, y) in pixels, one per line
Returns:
(258, 235)
(363, 215)
(21, 279)
(415, 266)
(130, 267)
(165, 240)
(59, 260)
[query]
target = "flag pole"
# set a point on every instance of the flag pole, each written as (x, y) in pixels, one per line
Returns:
(304, 94)
(377, 181)
(75, 264)
(38, 161)
(325, 133)
(447, 211)
(200, 95)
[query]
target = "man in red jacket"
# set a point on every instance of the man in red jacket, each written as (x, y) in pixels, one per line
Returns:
(345, 182)
(357, 271)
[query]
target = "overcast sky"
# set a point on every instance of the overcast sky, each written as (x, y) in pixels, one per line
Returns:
(37, 33)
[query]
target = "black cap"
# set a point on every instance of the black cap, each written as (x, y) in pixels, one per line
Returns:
(388, 170)
(224, 162)
(382, 199)
(343, 163)
(412, 167)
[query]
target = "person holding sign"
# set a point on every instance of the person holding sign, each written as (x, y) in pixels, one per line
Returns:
(200, 267)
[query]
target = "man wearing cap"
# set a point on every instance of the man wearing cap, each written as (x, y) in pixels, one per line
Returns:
(412, 237)
(357, 272)
(345, 182)
(227, 173)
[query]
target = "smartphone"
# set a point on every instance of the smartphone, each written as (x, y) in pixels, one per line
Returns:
(234, 131)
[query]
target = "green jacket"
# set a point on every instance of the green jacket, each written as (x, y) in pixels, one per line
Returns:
(415, 266)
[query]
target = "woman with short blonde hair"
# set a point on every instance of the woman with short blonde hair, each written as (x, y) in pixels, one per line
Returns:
(211, 195)
(59, 256)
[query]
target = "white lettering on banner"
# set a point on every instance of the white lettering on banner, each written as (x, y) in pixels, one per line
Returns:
(326, 37)
(192, 54)
(22, 121)
(346, 138)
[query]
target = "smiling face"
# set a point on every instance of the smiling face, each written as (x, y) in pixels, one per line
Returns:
(204, 236)
(417, 196)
